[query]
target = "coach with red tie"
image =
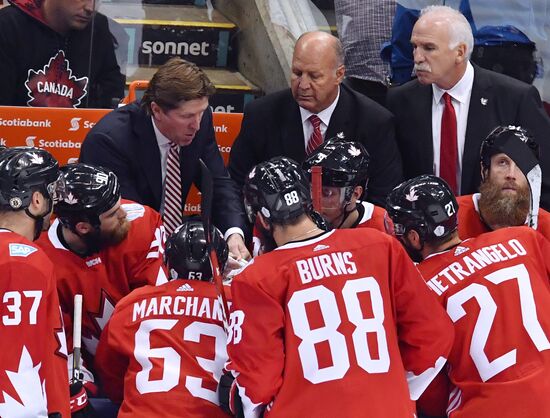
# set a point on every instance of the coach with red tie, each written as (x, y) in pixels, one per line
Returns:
(294, 121)
(443, 116)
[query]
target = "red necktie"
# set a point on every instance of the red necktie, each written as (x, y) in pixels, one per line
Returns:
(448, 152)
(172, 211)
(316, 138)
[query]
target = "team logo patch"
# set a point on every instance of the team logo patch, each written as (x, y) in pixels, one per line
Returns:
(411, 196)
(55, 85)
(21, 250)
(320, 247)
(15, 202)
(354, 152)
(459, 250)
(70, 199)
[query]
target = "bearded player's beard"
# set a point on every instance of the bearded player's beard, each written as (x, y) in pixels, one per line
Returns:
(503, 209)
(97, 240)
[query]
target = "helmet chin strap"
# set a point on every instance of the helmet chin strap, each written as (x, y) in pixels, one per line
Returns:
(346, 213)
(39, 219)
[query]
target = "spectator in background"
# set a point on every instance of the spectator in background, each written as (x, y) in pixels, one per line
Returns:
(363, 26)
(443, 116)
(47, 58)
(295, 121)
(154, 146)
(510, 186)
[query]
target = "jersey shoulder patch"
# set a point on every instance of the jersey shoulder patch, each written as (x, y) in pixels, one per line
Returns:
(21, 250)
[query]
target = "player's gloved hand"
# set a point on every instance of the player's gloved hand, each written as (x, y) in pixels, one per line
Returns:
(80, 407)
(228, 394)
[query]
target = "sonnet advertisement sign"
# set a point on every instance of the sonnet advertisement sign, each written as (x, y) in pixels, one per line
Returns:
(61, 132)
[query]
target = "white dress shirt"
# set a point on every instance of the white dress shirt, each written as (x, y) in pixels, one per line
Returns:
(324, 115)
(460, 96)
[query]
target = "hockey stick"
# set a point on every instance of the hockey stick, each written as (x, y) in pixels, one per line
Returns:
(207, 197)
(316, 187)
(77, 338)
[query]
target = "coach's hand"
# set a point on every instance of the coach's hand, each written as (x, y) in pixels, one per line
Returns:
(237, 249)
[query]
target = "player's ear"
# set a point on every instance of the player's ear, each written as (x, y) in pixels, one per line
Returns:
(265, 224)
(83, 227)
(414, 239)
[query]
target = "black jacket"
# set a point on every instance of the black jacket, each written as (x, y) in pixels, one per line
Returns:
(124, 141)
(41, 68)
(272, 126)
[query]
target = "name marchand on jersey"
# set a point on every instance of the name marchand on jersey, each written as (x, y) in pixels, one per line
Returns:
(196, 306)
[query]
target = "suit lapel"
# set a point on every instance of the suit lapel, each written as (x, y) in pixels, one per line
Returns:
(477, 126)
(422, 112)
(292, 132)
(339, 121)
(149, 154)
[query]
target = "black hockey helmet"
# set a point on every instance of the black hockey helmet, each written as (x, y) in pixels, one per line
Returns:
(344, 163)
(513, 141)
(24, 170)
(187, 254)
(278, 189)
(89, 192)
(425, 204)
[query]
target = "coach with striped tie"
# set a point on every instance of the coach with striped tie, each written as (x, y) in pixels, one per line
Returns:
(154, 146)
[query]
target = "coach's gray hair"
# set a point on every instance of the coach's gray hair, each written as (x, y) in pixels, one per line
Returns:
(459, 29)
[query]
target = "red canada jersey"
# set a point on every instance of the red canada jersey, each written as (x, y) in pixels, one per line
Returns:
(163, 352)
(495, 289)
(107, 276)
(470, 224)
(33, 365)
(330, 327)
(371, 216)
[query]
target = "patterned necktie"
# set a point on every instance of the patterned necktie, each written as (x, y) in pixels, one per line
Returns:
(173, 210)
(316, 138)
(448, 152)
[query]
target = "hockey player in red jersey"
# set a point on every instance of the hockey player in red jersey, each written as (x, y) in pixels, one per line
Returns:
(33, 364)
(344, 166)
(329, 324)
(103, 248)
(164, 349)
(510, 187)
(495, 289)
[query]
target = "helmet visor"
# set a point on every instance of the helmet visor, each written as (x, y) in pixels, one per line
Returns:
(332, 197)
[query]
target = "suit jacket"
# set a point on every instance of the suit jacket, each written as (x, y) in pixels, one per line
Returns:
(272, 127)
(496, 100)
(125, 142)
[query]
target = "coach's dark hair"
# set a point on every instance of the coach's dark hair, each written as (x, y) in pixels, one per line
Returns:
(175, 82)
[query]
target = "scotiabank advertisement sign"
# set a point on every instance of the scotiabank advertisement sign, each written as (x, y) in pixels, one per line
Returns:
(61, 132)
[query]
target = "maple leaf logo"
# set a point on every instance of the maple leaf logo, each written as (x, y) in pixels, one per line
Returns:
(411, 196)
(29, 389)
(354, 152)
(36, 159)
(54, 85)
(70, 199)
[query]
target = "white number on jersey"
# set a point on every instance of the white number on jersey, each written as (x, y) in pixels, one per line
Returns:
(487, 312)
(12, 300)
(327, 301)
(172, 360)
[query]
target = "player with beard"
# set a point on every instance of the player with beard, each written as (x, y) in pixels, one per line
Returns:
(510, 187)
(496, 291)
(344, 176)
(103, 248)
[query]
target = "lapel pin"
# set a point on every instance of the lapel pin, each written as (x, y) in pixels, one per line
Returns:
(484, 101)
(340, 135)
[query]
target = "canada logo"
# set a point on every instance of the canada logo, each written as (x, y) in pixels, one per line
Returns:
(55, 85)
